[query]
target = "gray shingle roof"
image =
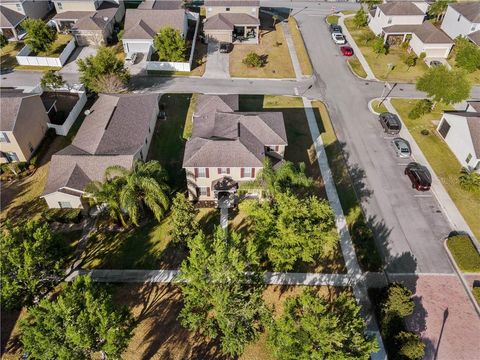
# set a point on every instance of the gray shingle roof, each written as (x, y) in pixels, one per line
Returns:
(144, 24)
(13, 103)
(471, 10)
(232, 3)
(9, 17)
(225, 21)
(426, 32)
(224, 138)
(161, 4)
(400, 8)
(91, 20)
(475, 37)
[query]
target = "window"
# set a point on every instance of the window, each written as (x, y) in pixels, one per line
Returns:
(469, 157)
(223, 171)
(201, 172)
(11, 156)
(227, 9)
(204, 191)
(19, 7)
(59, 5)
(247, 173)
(444, 128)
(389, 20)
(64, 204)
(4, 138)
(30, 146)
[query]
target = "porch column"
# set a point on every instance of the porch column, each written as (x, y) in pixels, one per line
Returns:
(385, 37)
(404, 37)
(15, 34)
(257, 33)
(56, 25)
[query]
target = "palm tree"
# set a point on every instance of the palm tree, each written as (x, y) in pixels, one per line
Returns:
(145, 185)
(469, 180)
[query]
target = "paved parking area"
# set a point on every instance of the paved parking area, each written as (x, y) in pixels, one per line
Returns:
(217, 63)
(80, 53)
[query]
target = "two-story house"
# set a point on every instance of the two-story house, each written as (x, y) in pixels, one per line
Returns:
(13, 12)
(463, 19)
(232, 21)
(399, 21)
(117, 131)
(228, 147)
(91, 22)
(23, 125)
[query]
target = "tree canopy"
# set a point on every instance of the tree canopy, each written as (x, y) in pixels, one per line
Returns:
(443, 85)
(184, 223)
(30, 267)
(95, 67)
(291, 229)
(437, 8)
(313, 328)
(170, 45)
(220, 299)
(40, 36)
(3, 41)
(81, 321)
(467, 55)
(51, 80)
(360, 19)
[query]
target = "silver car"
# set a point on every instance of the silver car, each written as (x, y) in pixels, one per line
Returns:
(402, 147)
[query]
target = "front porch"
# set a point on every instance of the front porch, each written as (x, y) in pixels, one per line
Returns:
(14, 33)
(245, 34)
(225, 192)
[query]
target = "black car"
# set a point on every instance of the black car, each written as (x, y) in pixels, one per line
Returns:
(419, 176)
(434, 63)
(224, 47)
(390, 122)
(335, 28)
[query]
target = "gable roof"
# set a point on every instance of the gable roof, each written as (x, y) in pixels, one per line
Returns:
(160, 4)
(473, 122)
(222, 137)
(475, 37)
(224, 21)
(426, 32)
(9, 17)
(91, 20)
(400, 8)
(232, 3)
(16, 106)
(145, 24)
(470, 10)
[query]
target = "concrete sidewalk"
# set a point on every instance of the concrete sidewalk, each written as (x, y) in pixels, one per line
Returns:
(293, 53)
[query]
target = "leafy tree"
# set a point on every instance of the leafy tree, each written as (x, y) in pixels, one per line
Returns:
(467, 56)
(184, 223)
(221, 300)
(30, 264)
(378, 46)
(437, 9)
(398, 302)
(313, 328)
(51, 81)
(82, 321)
(170, 45)
(410, 60)
(290, 229)
(371, 3)
(447, 86)
(40, 36)
(142, 186)
(254, 60)
(421, 108)
(360, 19)
(470, 181)
(3, 41)
(410, 345)
(104, 62)
(110, 84)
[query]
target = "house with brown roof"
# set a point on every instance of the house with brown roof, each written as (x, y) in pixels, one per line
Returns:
(13, 12)
(232, 21)
(90, 22)
(23, 125)
(228, 147)
(463, 19)
(461, 132)
(117, 131)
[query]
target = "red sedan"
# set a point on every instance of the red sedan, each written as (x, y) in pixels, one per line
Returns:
(346, 50)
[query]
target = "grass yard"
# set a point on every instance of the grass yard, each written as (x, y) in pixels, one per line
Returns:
(8, 53)
(273, 47)
(302, 53)
(476, 294)
(57, 47)
(187, 130)
(379, 63)
(441, 158)
(357, 68)
(362, 236)
(464, 252)
(377, 107)
(332, 19)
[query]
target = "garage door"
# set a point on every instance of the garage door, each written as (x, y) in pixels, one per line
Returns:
(436, 53)
(137, 47)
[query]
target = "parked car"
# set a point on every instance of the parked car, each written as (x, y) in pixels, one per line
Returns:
(335, 28)
(130, 58)
(419, 176)
(402, 147)
(434, 63)
(390, 123)
(338, 38)
(225, 47)
(346, 50)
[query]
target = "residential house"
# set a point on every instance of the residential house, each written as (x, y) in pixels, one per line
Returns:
(23, 125)
(144, 23)
(13, 12)
(29, 8)
(461, 132)
(399, 20)
(463, 19)
(117, 131)
(90, 22)
(228, 147)
(232, 21)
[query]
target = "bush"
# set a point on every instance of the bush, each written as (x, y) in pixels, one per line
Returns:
(398, 302)
(469, 181)
(423, 55)
(421, 108)
(425, 132)
(410, 60)
(464, 252)
(254, 60)
(360, 19)
(410, 345)
(378, 46)
(468, 56)
(64, 216)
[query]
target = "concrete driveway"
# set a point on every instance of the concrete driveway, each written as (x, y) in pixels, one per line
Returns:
(80, 53)
(217, 63)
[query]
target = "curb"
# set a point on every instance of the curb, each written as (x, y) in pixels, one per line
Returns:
(370, 107)
(354, 73)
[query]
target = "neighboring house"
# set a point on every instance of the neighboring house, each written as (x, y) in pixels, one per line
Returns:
(117, 131)
(228, 147)
(143, 24)
(463, 19)
(461, 132)
(23, 125)
(232, 21)
(29, 8)
(90, 22)
(397, 21)
(10, 23)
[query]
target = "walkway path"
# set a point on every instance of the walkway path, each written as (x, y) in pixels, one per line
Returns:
(89, 226)
(292, 51)
(217, 63)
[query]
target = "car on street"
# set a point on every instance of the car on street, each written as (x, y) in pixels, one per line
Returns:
(130, 58)
(335, 28)
(346, 50)
(390, 122)
(225, 47)
(419, 176)
(338, 38)
(402, 147)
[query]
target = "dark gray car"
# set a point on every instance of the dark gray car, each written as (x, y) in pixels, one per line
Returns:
(402, 147)
(390, 122)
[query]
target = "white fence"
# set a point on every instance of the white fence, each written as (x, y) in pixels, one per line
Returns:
(175, 66)
(72, 116)
(23, 57)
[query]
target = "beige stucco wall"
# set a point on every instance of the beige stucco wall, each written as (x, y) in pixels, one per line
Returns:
(93, 37)
(54, 198)
(12, 146)
(219, 35)
(214, 10)
(80, 5)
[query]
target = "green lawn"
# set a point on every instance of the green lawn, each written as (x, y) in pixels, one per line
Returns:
(187, 131)
(465, 253)
(442, 160)
(379, 63)
(8, 53)
(357, 68)
(332, 19)
(377, 107)
(57, 47)
(300, 48)
(476, 294)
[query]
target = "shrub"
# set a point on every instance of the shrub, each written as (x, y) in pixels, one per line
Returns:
(464, 252)
(410, 345)
(378, 46)
(423, 55)
(421, 108)
(469, 180)
(468, 55)
(64, 216)
(254, 60)
(360, 19)
(410, 60)
(425, 132)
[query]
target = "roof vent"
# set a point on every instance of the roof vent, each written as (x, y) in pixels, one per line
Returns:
(87, 112)
(105, 18)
